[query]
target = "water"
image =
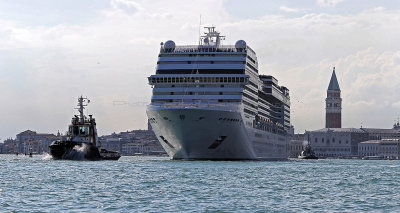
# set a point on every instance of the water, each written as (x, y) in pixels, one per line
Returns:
(155, 184)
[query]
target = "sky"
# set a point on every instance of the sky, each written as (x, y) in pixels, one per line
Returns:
(52, 51)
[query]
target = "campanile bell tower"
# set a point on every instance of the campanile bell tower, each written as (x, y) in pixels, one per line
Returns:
(333, 104)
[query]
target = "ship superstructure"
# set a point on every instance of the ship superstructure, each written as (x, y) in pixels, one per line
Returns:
(209, 102)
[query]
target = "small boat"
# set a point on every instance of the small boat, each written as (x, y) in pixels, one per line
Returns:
(81, 141)
(307, 153)
(373, 158)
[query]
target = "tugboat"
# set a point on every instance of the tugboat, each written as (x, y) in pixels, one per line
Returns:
(307, 153)
(81, 140)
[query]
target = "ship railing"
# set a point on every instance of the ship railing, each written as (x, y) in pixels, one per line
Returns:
(180, 105)
(200, 48)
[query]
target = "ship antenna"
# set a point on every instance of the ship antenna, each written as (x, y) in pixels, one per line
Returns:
(81, 108)
(199, 31)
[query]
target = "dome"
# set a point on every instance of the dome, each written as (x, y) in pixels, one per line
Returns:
(240, 44)
(169, 45)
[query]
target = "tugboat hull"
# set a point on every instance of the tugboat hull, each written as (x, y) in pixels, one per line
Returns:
(69, 150)
(109, 155)
(308, 157)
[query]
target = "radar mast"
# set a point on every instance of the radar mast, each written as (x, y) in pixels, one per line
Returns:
(212, 37)
(81, 107)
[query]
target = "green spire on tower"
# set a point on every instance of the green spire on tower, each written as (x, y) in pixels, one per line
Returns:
(333, 84)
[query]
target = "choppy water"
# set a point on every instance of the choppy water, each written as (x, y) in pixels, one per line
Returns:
(154, 184)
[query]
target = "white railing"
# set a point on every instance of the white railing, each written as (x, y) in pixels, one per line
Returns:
(197, 48)
(191, 105)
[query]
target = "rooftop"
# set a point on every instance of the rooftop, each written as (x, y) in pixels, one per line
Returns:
(381, 141)
(340, 130)
(381, 131)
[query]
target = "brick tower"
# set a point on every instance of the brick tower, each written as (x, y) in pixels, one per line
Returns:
(333, 104)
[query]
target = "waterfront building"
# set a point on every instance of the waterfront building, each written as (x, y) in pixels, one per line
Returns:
(342, 142)
(38, 143)
(378, 134)
(111, 144)
(296, 145)
(133, 142)
(130, 148)
(9, 146)
(368, 148)
(295, 148)
(333, 101)
(390, 149)
(385, 148)
(336, 142)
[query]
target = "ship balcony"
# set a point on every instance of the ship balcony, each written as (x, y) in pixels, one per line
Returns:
(198, 79)
(197, 97)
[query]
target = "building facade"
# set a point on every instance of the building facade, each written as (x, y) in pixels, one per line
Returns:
(336, 142)
(379, 134)
(385, 148)
(333, 118)
(30, 141)
(296, 144)
(352, 142)
(133, 142)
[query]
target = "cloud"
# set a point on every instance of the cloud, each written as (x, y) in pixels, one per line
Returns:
(396, 104)
(288, 9)
(44, 68)
(328, 3)
(128, 6)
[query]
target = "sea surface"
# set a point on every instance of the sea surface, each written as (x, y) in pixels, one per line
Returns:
(157, 184)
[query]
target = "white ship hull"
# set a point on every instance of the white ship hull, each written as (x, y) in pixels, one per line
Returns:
(210, 134)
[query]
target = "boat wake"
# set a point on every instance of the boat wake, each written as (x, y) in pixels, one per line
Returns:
(77, 153)
(47, 156)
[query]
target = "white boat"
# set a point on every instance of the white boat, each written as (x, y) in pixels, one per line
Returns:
(209, 102)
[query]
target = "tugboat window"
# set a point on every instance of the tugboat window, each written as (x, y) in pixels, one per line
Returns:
(76, 130)
(83, 130)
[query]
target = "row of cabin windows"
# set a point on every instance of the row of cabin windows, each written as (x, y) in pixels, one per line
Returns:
(201, 55)
(198, 79)
(197, 93)
(253, 84)
(249, 104)
(251, 90)
(268, 127)
(250, 97)
(252, 67)
(186, 99)
(327, 140)
(201, 62)
(252, 60)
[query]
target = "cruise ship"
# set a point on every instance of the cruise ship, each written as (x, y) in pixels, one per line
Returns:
(209, 102)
